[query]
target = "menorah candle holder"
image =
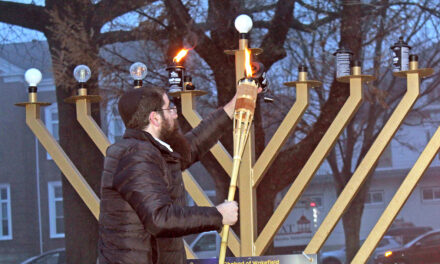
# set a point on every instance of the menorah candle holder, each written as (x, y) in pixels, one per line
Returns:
(176, 75)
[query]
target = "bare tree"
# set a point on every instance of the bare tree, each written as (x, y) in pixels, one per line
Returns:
(75, 33)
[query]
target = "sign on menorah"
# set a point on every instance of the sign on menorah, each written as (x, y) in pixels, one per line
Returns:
(250, 171)
(283, 259)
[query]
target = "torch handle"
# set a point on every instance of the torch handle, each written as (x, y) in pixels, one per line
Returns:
(243, 115)
(224, 244)
(231, 195)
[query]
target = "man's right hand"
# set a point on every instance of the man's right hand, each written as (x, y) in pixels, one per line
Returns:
(229, 212)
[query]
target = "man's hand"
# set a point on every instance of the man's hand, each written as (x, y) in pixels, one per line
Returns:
(230, 107)
(229, 212)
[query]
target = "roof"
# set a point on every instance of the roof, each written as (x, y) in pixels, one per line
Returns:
(25, 55)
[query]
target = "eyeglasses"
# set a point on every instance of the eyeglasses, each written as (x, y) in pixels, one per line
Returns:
(171, 108)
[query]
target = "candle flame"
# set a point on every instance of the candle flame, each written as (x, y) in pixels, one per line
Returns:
(182, 53)
(247, 63)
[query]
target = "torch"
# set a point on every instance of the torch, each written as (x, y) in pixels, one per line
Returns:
(247, 90)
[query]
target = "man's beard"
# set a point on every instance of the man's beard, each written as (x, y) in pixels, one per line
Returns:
(168, 131)
(172, 135)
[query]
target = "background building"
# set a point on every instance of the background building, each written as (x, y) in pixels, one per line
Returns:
(30, 184)
(421, 209)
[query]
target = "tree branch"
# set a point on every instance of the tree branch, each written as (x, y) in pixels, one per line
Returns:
(132, 35)
(205, 46)
(107, 10)
(317, 9)
(260, 8)
(24, 15)
(296, 25)
(273, 41)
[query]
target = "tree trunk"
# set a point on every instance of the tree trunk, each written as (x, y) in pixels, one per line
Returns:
(81, 227)
(351, 221)
(351, 37)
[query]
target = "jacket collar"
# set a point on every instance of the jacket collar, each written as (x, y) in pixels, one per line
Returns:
(145, 136)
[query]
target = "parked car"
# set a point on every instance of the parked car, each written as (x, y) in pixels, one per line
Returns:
(405, 234)
(56, 256)
(206, 245)
(424, 249)
(338, 256)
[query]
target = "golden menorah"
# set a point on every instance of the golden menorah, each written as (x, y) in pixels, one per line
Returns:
(252, 171)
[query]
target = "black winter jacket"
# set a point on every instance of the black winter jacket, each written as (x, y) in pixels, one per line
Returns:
(143, 213)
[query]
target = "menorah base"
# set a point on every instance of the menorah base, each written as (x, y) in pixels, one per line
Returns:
(281, 259)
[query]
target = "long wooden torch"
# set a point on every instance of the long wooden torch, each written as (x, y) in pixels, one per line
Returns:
(247, 90)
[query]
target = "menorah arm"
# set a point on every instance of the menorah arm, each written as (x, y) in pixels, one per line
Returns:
(61, 159)
(289, 123)
(83, 115)
(399, 199)
(367, 164)
(315, 160)
(194, 119)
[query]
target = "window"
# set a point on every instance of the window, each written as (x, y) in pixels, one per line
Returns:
(431, 194)
(56, 214)
(116, 127)
(51, 119)
(5, 212)
(374, 197)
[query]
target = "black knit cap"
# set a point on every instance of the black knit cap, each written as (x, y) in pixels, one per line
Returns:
(135, 105)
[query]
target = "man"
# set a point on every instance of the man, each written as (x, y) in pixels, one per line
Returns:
(143, 214)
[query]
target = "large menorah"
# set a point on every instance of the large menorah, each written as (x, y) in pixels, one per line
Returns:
(252, 171)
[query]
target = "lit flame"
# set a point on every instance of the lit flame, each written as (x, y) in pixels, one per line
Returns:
(388, 253)
(182, 53)
(247, 63)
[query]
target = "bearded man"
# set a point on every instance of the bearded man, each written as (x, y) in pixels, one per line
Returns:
(143, 214)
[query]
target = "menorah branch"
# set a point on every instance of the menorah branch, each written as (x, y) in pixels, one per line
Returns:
(399, 199)
(85, 119)
(367, 164)
(60, 158)
(308, 171)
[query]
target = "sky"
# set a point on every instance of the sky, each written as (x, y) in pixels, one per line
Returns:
(14, 34)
